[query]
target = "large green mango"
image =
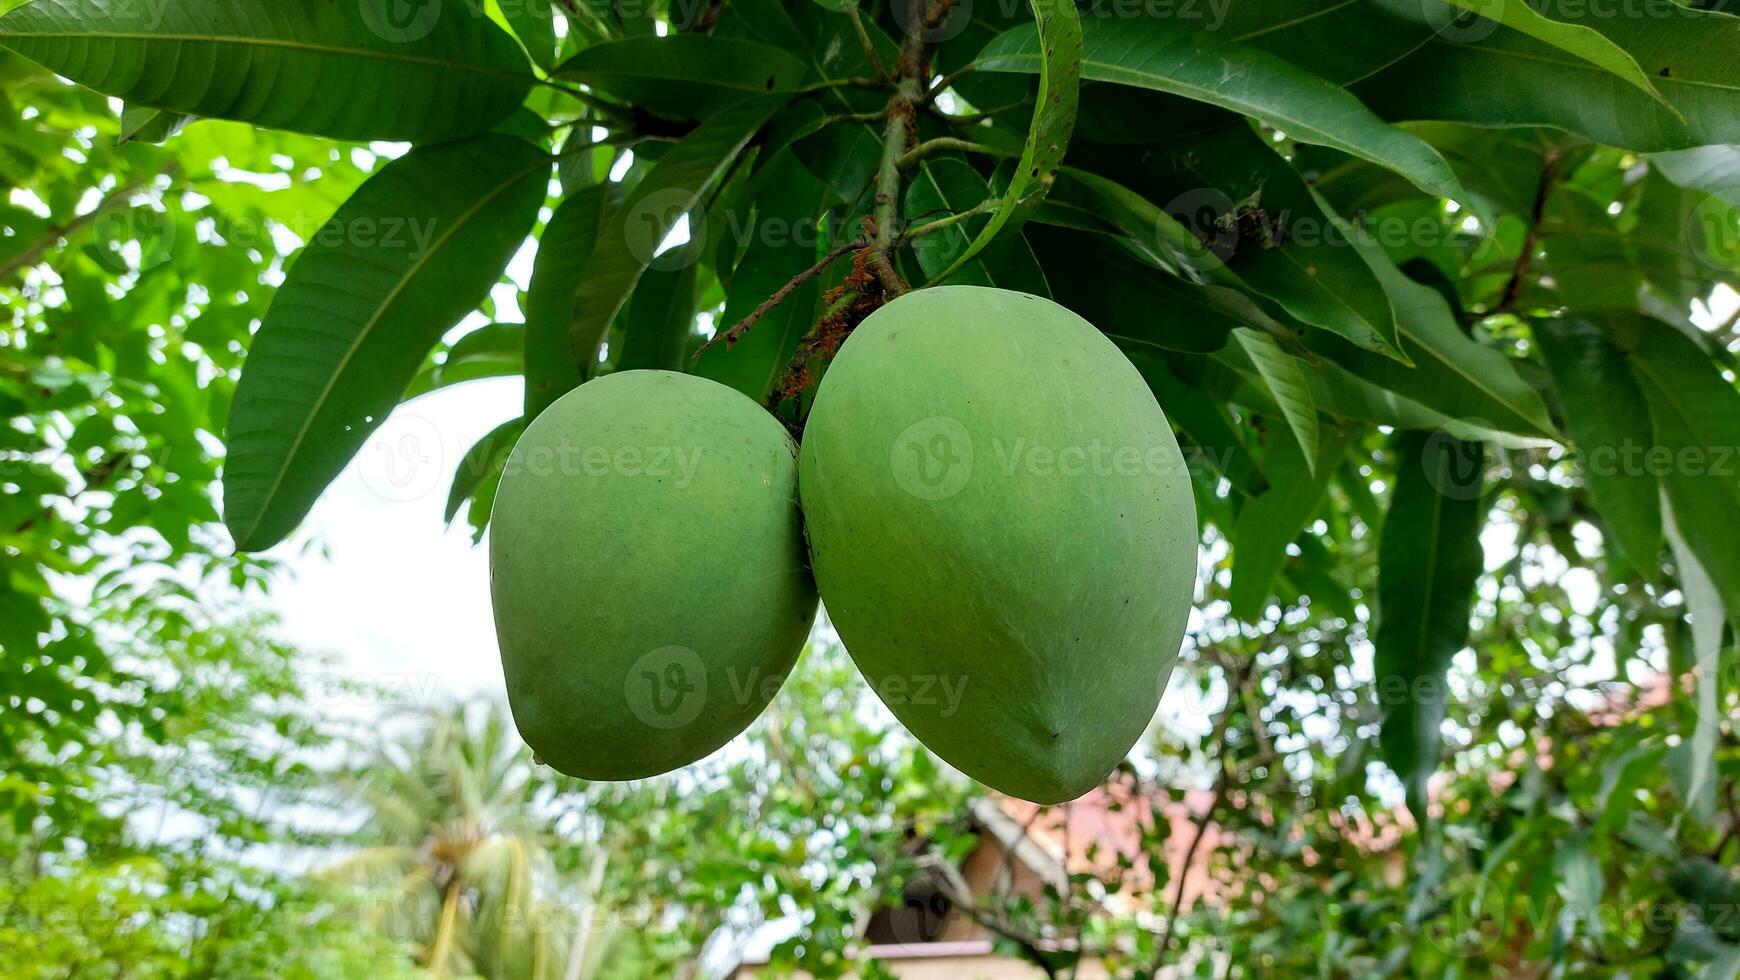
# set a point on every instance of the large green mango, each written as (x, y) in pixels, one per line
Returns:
(647, 570)
(1003, 531)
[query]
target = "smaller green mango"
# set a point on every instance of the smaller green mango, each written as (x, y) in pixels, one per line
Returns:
(648, 573)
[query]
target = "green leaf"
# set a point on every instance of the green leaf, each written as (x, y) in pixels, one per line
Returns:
(1056, 57)
(691, 76)
(1712, 890)
(1579, 880)
(1452, 373)
(1134, 303)
(1576, 39)
(496, 350)
(950, 186)
(1695, 414)
(345, 70)
(1287, 383)
(1608, 420)
(1203, 418)
(483, 460)
(1272, 520)
(1593, 265)
(1705, 606)
(1164, 57)
(534, 22)
(660, 318)
(139, 124)
(1342, 42)
(1510, 79)
(1092, 202)
(1344, 394)
(1715, 170)
(1429, 558)
(632, 233)
(415, 249)
(552, 367)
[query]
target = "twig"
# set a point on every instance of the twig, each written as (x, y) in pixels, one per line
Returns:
(943, 83)
(853, 117)
(37, 249)
(732, 336)
(975, 118)
(945, 143)
(95, 477)
(932, 227)
(1531, 241)
(864, 40)
(828, 83)
(1222, 782)
(620, 113)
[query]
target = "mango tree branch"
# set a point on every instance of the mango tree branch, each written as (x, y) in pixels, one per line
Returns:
(886, 216)
(732, 336)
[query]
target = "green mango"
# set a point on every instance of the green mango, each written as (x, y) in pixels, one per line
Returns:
(647, 570)
(1002, 527)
